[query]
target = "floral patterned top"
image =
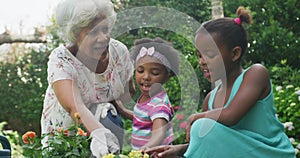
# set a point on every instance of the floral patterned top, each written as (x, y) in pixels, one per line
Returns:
(94, 88)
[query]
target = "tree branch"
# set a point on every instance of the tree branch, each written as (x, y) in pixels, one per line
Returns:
(39, 36)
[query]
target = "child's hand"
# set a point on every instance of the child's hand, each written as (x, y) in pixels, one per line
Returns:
(163, 151)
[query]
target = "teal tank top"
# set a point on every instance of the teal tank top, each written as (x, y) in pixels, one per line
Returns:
(261, 115)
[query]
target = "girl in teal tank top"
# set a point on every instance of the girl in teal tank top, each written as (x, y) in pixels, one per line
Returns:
(238, 118)
(259, 134)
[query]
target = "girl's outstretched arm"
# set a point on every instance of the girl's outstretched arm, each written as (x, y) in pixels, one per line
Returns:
(159, 130)
(125, 98)
(124, 112)
(166, 151)
(255, 86)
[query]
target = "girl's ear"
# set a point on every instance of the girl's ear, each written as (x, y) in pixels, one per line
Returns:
(236, 53)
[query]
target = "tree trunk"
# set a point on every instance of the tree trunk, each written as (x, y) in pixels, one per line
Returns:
(217, 9)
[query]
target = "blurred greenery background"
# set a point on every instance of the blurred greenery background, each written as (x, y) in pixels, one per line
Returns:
(273, 41)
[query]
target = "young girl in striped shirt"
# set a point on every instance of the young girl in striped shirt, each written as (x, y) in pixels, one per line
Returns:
(156, 61)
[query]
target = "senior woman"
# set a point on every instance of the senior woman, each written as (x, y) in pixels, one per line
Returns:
(88, 74)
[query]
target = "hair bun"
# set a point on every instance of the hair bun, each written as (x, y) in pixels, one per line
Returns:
(244, 14)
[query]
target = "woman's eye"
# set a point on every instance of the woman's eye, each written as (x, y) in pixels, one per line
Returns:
(105, 30)
(93, 32)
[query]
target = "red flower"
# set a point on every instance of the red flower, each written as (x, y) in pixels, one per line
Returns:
(180, 116)
(182, 125)
(176, 107)
(66, 133)
(28, 136)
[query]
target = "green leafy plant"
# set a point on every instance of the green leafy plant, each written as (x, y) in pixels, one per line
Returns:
(287, 101)
(70, 142)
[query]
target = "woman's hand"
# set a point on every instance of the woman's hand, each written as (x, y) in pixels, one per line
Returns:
(166, 151)
(103, 142)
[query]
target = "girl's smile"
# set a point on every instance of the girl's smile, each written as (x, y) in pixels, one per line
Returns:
(150, 73)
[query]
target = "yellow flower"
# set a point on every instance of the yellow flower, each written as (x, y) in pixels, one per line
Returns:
(76, 115)
(146, 155)
(137, 154)
(109, 156)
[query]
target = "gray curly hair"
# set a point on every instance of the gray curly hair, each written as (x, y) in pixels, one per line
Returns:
(74, 15)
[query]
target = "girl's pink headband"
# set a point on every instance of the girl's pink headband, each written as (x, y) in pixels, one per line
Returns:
(151, 52)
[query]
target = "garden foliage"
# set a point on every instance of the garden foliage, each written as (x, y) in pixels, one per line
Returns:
(273, 41)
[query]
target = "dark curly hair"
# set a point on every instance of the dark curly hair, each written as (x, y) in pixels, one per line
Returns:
(162, 46)
(228, 31)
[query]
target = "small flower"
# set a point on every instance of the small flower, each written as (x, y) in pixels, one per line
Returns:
(289, 86)
(180, 116)
(182, 125)
(292, 140)
(59, 129)
(66, 133)
(76, 115)
(299, 97)
(293, 104)
(81, 132)
(137, 154)
(288, 125)
(298, 146)
(278, 88)
(296, 151)
(176, 107)
(28, 136)
(146, 155)
(298, 92)
(109, 156)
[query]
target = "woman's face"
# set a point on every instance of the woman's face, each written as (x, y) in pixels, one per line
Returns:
(93, 42)
(210, 57)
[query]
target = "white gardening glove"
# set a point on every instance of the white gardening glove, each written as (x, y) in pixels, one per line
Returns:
(102, 109)
(104, 142)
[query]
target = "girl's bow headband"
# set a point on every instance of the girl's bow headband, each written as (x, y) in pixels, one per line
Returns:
(152, 53)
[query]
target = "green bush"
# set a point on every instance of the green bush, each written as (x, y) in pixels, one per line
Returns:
(14, 139)
(286, 88)
(24, 84)
(287, 102)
